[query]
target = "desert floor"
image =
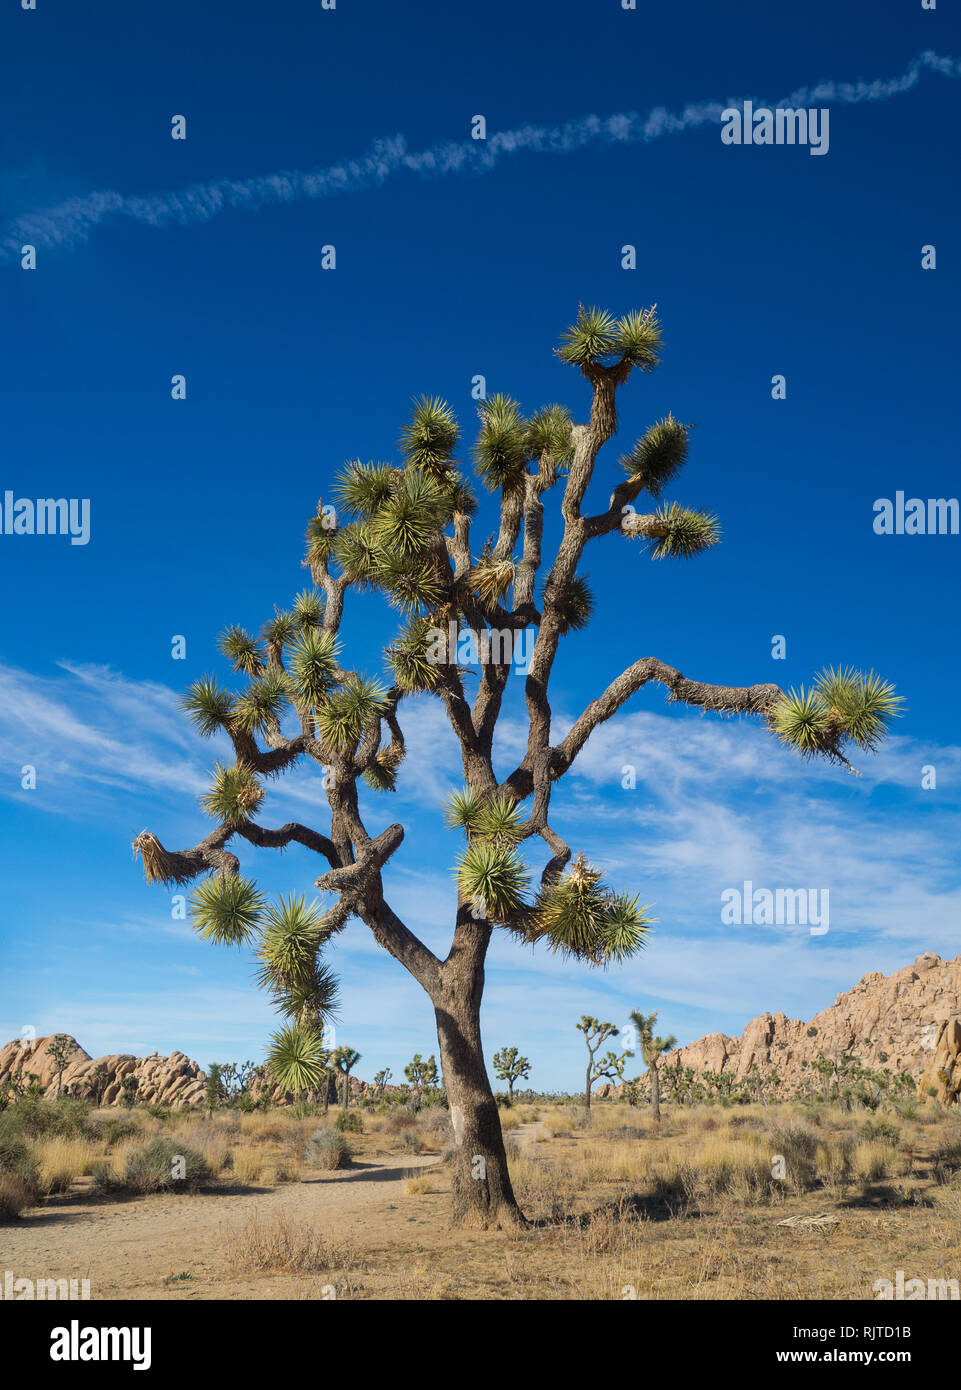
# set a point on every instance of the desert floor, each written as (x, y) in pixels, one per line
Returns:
(621, 1209)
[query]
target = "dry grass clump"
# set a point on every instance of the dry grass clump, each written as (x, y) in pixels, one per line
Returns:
(247, 1163)
(284, 1246)
(62, 1161)
(417, 1184)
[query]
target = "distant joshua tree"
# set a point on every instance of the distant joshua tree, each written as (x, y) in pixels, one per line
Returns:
(60, 1049)
(381, 1079)
(421, 1074)
(652, 1050)
(344, 1059)
(403, 531)
(611, 1065)
(509, 1067)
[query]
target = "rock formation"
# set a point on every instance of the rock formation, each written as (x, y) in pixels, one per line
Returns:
(173, 1080)
(905, 1022)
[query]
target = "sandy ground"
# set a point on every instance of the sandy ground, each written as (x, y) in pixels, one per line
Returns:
(127, 1248)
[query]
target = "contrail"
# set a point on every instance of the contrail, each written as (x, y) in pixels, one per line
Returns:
(72, 222)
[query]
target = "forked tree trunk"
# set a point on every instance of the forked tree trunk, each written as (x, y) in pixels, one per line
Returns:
(480, 1184)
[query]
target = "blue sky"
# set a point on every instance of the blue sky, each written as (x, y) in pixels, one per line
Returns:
(761, 260)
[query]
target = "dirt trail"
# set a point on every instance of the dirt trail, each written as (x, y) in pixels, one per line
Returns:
(128, 1247)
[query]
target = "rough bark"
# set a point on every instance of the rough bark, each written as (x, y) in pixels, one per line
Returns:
(480, 1181)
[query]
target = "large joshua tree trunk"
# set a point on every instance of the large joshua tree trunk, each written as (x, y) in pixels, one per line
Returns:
(655, 1093)
(481, 1185)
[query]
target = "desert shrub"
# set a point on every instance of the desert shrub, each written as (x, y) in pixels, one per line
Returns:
(417, 1184)
(287, 1246)
(349, 1122)
(63, 1160)
(798, 1147)
(327, 1148)
(157, 1112)
(396, 1123)
(947, 1160)
(885, 1130)
(114, 1129)
(155, 1167)
(19, 1177)
(409, 1139)
(436, 1120)
(874, 1160)
(37, 1118)
(247, 1163)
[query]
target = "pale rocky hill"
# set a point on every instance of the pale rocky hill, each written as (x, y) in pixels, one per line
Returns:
(173, 1080)
(900, 1022)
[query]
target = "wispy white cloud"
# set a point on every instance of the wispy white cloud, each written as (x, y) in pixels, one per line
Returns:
(72, 222)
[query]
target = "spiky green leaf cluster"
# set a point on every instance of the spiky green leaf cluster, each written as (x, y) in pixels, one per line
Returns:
(242, 650)
(263, 702)
(296, 1058)
(432, 435)
(549, 431)
(578, 916)
(502, 450)
(320, 539)
(659, 455)
(408, 657)
(842, 706)
(309, 608)
(411, 584)
(598, 337)
(208, 704)
(458, 495)
(226, 909)
(493, 876)
(684, 532)
(407, 523)
(345, 713)
(236, 794)
(313, 666)
(575, 604)
(363, 487)
(493, 817)
(290, 939)
(282, 628)
(380, 774)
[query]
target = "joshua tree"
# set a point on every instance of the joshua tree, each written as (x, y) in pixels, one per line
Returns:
(129, 1088)
(344, 1059)
(510, 1068)
(652, 1050)
(611, 1065)
(381, 1079)
(420, 1074)
(405, 531)
(61, 1048)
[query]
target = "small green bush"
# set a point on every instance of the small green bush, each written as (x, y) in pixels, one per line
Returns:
(162, 1165)
(41, 1119)
(327, 1148)
(349, 1122)
(19, 1180)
